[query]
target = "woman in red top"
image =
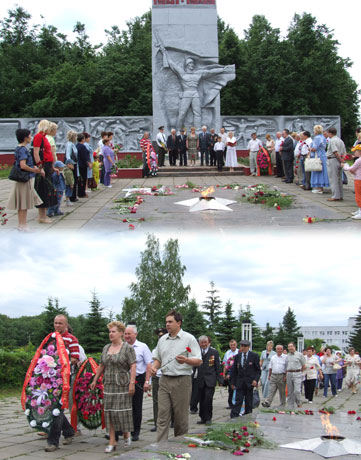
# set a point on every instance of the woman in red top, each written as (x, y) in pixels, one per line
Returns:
(43, 157)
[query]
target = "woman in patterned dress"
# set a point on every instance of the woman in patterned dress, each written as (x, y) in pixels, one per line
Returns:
(118, 362)
(352, 361)
(192, 146)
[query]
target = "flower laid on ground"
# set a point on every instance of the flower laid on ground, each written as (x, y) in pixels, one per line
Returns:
(231, 187)
(88, 403)
(182, 186)
(327, 410)
(263, 194)
(351, 412)
(290, 412)
(312, 220)
(238, 439)
(358, 419)
(44, 393)
(3, 218)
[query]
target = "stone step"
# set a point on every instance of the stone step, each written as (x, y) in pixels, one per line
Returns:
(181, 171)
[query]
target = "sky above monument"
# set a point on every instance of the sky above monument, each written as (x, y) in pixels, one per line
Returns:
(342, 18)
(316, 275)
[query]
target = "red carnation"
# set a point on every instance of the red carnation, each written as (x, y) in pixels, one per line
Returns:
(125, 220)
(131, 227)
(189, 350)
(247, 444)
(278, 208)
(309, 220)
(274, 419)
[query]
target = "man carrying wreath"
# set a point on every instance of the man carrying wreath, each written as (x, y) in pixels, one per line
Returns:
(61, 423)
(176, 354)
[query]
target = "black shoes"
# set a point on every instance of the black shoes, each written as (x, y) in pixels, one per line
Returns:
(154, 429)
(135, 436)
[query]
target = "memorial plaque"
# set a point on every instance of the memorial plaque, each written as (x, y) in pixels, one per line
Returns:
(7, 134)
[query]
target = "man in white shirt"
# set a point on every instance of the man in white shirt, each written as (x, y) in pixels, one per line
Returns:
(162, 145)
(305, 150)
(144, 363)
(223, 135)
(253, 146)
(278, 144)
(277, 377)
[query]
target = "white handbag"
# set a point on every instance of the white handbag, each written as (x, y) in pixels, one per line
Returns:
(313, 164)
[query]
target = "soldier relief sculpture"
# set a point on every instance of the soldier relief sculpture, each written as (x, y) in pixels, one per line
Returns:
(189, 85)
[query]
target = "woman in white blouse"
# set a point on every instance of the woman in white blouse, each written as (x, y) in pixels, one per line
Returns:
(311, 371)
(353, 362)
(231, 155)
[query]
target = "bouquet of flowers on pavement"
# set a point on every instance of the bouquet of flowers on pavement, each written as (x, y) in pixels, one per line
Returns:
(87, 403)
(46, 386)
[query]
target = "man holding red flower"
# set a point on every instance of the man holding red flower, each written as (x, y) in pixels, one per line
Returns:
(176, 354)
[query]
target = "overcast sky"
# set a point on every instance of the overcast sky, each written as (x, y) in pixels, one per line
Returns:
(98, 16)
(317, 276)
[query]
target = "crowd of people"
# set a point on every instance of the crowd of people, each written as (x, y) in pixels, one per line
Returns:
(182, 374)
(46, 180)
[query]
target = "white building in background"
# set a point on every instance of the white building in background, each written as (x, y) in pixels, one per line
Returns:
(330, 335)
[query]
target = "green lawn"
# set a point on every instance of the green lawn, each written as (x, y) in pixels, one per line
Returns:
(10, 393)
(4, 172)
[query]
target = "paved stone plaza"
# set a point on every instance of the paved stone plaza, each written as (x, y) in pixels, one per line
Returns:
(18, 440)
(96, 213)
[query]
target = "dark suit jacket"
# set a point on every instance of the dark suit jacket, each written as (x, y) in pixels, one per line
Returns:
(83, 155)
(287, 149)
(250, 372)
(182, 142)
(172, 144)
(209, 372)
(204, 141)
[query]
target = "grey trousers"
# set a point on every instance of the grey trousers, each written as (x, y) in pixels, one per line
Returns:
(174, 394)
(335, 177)
(253, 162)
(294, 381)
(277, 382)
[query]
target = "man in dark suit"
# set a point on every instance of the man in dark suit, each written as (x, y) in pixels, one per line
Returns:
(209, 372)
(182, 148)
(204, 145)
(287, 154)
(172, 147)
(245, 375)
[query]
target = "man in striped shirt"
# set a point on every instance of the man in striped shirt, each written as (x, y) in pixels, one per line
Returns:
(61, 423)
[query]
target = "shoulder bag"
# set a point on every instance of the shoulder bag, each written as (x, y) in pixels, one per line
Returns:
(19, 175)
(313, 164)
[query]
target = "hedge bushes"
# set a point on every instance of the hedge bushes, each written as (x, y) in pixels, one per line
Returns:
(14, 364)
(13, 367)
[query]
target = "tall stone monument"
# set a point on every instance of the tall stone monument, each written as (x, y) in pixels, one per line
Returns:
(186, 75)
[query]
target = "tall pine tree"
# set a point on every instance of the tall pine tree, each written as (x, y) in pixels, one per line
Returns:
(289, 331)
(193, 320)
(52, 309)
(355, 336)
(212, 306)
(227, 326)
(95, 327)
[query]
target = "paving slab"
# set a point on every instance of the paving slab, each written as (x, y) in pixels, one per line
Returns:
(97, 213)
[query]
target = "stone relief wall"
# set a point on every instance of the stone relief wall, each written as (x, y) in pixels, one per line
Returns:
(244, 126)
(127, 130)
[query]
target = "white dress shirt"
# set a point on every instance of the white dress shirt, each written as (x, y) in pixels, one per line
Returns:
(254, 145)
(161, 138)
(278, 364)
(278, 143)
(228, 354)
(144, 356)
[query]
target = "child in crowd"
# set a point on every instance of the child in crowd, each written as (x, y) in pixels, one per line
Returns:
(69, 180)
(219, 151)
(153, 163)
(59, 186)
(96, 167)
(90, 181)
(356, 170)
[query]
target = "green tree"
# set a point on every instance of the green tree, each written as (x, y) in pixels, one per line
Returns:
(193, 320)
(289, 331)
(268, 334)
(212, 306)
(52, 309)
(227, 326)
(95, 327)
(158, 289)
(355, 336)
(317, 343)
